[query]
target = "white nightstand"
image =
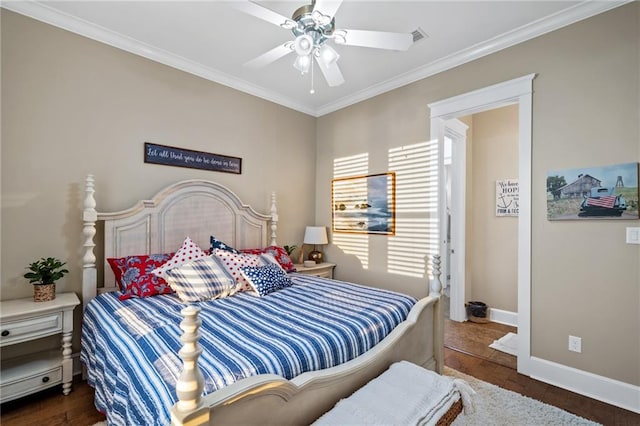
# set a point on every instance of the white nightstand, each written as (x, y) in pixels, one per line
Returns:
(22, 321)
(321, 269)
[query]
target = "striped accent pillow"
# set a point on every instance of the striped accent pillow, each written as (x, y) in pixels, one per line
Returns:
(202, 279)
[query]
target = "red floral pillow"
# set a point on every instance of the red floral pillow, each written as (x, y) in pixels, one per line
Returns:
(279, 253)
(134, 278)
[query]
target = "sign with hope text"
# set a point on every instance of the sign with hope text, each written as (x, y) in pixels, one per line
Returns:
(507, 194)
(180, 157)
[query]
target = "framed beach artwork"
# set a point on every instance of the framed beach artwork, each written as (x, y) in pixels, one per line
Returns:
(605, 192)
(364, 204)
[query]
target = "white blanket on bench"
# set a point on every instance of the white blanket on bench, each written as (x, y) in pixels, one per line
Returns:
(405, 394)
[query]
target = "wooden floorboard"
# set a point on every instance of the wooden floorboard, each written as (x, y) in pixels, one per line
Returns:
(475, 338)
(51, 408)
(466, 350)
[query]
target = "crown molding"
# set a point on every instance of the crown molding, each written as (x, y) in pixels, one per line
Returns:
(569, 16)
(48, 15)
(42, 12)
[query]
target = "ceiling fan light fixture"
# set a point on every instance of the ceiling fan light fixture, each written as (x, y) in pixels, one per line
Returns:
(313, 26)
(303, 45)
(303, 63)
(328, 54)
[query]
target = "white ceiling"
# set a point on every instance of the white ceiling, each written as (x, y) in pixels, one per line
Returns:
(213, 40)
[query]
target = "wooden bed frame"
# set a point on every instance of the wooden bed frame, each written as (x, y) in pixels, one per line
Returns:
(200, 208)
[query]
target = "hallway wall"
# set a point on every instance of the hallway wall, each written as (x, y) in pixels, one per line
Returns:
(492, 240)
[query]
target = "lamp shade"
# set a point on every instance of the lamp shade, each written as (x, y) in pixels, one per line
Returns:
(315, 235)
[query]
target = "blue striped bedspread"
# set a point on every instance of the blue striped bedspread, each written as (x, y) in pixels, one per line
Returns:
(131, 347)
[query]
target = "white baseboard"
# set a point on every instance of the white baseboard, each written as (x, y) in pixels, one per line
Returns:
(503, 317)
(614, 392)
(601, 388)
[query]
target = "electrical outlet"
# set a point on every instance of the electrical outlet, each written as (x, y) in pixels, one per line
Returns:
(575, 344)
(633, 235)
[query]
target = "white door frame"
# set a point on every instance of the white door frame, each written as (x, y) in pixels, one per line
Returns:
(456, 130)
(517, 91)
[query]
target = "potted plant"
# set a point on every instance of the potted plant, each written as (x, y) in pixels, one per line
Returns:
(290, 249)
(43, 275)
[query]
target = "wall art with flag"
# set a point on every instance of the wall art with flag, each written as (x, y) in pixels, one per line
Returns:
(601, 192)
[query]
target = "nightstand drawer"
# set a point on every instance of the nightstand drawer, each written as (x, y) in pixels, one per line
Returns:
(30, 328)
(21, 322)
(23, 385)
(324, 270)
(323, 274)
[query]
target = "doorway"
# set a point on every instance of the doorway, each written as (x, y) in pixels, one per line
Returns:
(455, 172)
(517, 91)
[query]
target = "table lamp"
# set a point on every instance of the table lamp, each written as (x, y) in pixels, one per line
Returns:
(315, 235)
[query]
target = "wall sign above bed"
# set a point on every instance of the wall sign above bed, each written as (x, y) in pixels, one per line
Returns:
(181, 157)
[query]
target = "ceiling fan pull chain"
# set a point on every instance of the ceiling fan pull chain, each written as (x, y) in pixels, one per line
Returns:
(312, 91)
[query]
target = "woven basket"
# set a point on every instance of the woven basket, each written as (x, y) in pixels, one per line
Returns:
(44, 292)
(450, 416)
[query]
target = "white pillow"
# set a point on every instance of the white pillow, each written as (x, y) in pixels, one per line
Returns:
(188, 252)
(232, 262)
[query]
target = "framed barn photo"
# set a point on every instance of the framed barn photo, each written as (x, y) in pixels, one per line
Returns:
(364, 204)
(605, 192)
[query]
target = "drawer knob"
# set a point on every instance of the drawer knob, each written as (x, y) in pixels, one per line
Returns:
(45, 379)
(5, 333)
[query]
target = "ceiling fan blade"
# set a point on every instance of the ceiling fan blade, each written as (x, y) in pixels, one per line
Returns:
(270, 56)
(331, 72)
(327, 8)
(375, 39)
(263, 13)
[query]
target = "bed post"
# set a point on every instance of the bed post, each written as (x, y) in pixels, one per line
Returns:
(435, 286)
(274, 219)
(435, 290)
(89, 218)
(189, 410)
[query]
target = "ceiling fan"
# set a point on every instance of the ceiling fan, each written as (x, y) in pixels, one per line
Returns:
(313, 26)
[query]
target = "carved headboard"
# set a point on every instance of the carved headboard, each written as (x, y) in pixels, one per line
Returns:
(195, 208)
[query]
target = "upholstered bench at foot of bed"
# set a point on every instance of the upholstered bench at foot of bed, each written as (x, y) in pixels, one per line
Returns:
(405, 394)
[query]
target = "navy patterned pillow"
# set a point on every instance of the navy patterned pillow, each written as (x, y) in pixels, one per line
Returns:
(217, 244)
(266, 279)
(202, 279)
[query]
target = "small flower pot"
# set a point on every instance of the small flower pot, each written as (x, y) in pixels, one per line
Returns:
(44, 292)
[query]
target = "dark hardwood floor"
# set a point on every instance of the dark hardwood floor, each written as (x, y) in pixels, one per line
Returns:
(474, 339)
(470, 356)
(467, 350)
(51, 408)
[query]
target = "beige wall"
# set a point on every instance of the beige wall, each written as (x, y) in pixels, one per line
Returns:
(492, 241)
(585, 113)
(73, 106)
